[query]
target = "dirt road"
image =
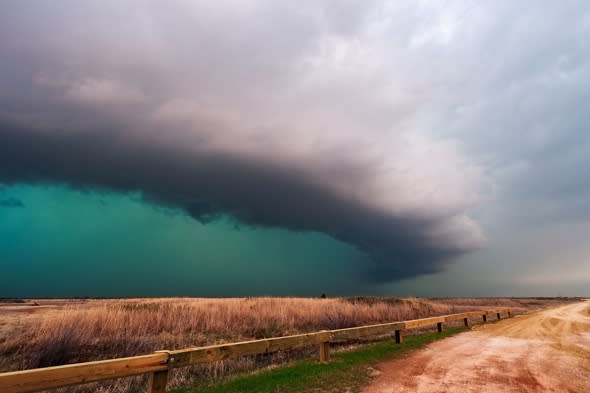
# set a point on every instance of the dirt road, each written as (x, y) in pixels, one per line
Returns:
(546, 351)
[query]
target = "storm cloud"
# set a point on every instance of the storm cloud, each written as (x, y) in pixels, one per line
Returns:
(381, 124)
(11, 202)
(249, 112)
(254, 192)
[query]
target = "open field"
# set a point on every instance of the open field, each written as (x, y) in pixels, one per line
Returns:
(43, 333)
(545, 351)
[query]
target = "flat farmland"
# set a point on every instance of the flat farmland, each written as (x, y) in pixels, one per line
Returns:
(39, 333)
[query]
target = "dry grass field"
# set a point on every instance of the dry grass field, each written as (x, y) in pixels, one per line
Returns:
(41, 333)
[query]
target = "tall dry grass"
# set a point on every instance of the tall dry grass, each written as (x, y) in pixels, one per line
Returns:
(106, 329)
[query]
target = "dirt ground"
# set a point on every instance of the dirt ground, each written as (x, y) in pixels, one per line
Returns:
(545, 351)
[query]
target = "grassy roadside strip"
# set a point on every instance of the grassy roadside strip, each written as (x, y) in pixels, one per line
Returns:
(346, 372)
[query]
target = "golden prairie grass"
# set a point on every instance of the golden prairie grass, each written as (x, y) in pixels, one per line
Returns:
(115, 328)
(103, 329)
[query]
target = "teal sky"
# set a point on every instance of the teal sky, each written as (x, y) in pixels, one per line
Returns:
(64, 242)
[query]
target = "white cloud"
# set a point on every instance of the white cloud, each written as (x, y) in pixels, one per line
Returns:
(103, 91)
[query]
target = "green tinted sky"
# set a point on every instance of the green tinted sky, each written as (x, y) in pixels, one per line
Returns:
(63, 242)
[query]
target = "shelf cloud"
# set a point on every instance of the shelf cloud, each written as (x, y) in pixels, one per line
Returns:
(274, 115)
(253, 190)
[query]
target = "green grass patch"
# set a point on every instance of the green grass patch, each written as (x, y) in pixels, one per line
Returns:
(347, 371)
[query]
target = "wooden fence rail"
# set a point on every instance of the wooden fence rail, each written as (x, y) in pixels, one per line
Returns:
(159, 363)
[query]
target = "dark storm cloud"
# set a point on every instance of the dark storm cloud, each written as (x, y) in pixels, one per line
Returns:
(205, 185)
(11, 202)
(291, 115)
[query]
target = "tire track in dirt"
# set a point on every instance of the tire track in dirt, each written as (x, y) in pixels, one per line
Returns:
(545, 351)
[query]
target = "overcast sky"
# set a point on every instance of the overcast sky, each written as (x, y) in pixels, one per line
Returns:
(266, 147)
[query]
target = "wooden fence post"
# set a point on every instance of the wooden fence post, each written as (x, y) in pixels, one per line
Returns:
(484, 317)
(399, 338)
(157, 382)
(498, 315)
(439, 327)
(466, 321)
(325, 352)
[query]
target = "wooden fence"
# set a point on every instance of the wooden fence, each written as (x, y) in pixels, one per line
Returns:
(159, 363)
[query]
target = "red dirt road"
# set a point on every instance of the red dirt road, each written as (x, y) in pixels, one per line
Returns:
(546, 351)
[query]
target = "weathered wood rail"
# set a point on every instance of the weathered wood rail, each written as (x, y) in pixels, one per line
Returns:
(159, 363)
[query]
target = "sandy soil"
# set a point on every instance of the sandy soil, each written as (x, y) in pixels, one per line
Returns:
(545, 351)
